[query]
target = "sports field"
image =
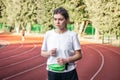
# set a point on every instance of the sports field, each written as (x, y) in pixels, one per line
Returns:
(21, 60)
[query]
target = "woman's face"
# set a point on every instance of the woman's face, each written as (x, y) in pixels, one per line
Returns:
(60, 22)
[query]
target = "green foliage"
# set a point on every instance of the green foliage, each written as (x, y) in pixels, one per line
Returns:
(105, 15)
(15, 12)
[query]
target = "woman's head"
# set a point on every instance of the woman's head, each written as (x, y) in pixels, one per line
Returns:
(61, 18)
(62, 11)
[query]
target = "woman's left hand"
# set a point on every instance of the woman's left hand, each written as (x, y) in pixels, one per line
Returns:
(62, 61)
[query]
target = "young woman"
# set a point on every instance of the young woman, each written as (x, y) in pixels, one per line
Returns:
(62, 48)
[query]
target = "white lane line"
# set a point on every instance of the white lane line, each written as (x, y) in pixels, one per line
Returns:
(21, 45)
(109, 49)
(19, 54)
(20, 62)
(23, 72)
(102, 63)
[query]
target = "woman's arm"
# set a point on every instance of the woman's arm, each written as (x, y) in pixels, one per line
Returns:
(70, 59)
(44, 53)
(48, 53)
(75, 57)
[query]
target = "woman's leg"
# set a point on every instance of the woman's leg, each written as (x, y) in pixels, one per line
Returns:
(53, 76)
(72, 75)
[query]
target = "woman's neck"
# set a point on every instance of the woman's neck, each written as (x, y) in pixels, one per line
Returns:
(60, 31)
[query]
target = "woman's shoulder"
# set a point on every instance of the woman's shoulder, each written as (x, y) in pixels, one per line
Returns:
(50, 31)
(72, 33)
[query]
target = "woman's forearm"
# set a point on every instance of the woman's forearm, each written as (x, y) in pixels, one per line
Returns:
(48, 53)
(45, 53)
(70, 59)
(75, 57)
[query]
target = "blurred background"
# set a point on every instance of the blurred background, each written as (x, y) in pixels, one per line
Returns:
(93, 20)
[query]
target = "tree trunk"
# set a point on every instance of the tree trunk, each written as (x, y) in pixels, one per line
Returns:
(17, 27)
(81, 27)
(28, 28)
(76, 27)
(96, 36)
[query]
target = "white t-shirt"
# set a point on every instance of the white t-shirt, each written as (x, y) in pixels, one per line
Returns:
(65, 43)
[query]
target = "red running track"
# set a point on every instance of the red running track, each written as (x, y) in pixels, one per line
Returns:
(21, 60)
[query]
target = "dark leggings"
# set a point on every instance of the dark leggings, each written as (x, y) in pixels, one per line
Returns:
(72, 75)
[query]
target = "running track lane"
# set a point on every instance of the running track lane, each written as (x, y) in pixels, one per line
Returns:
(90, 63)
(109, 62)
(111, 68)
(99, 62)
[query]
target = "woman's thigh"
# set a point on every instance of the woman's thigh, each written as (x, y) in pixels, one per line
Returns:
(72, 75)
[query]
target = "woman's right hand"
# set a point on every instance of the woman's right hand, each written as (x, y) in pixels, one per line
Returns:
(52, 52)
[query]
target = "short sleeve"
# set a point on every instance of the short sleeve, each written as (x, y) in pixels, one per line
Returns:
(76, 42)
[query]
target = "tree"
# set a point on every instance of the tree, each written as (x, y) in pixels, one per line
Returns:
(77, 12)
(40, 11)
(104, 15)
